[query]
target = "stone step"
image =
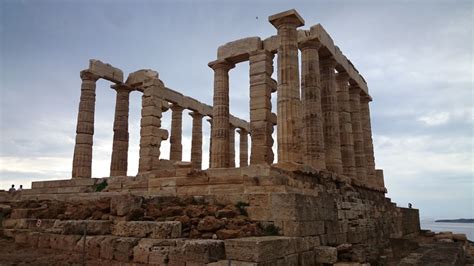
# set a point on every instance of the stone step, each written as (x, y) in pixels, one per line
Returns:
(129, 249)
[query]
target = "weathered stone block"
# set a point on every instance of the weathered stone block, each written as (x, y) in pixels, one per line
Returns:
(238, 51)
(156, 230)
(76, 227)
(325, 254)
(259, 249)
(106, 71)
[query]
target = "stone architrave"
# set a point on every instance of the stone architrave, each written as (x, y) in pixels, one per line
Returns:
(313, 136)
(118, 165)
(231, 146)
(220, 114)
(151, 134)
(82, 160)
(243, 147)
(176, 146)
(345, 125)
(288, 93)
(359, 150)
(332, 140)
(367, 133)
(261, 87)
(196, 141)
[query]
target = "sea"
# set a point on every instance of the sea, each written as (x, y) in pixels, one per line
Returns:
(459, 228)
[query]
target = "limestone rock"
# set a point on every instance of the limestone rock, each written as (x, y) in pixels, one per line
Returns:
(325, 254)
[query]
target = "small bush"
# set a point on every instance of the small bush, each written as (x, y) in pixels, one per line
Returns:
(270, 230)
(101, 186)
(241, 207)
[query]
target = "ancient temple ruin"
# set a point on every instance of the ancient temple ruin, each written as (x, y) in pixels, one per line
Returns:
(322, 201)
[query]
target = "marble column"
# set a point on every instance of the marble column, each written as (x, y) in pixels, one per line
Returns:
(196, 141)
(243, 147)
(231, 146)
(289, 122)
(118, 165)
(313, 136)
(151, 134)
(359, 150)
(367, 133)
(220, 114)
(345, 125)
(82, 160)
(176, 147)
(332, 140)
(261, 87)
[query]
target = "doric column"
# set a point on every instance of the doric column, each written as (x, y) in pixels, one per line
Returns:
(359, 150)
(313, 136)
(176, 147)
(367, 133)
(196, 141)
(151, 134)
(231, 146)
(82, 160)
(332, 140)
(220, 114)
(118, 165)
(210, 142)
(345, 125)
(288, 102)
(243, 147)
(261, 87)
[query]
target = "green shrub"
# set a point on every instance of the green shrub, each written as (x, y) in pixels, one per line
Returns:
(241, 207)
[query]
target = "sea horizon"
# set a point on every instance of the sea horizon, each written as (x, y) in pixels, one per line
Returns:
(457, 228)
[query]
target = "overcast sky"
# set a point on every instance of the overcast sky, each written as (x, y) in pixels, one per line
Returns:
(417, 58)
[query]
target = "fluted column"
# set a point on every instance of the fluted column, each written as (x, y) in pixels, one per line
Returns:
(345, 125)
(367, 133)
(196, 141)
(151, 135)
(231, 146)
(359, 150)
(118, 165)
(82, 159)
(220, 114)
(332, 140)
(288, 99)
(313, 136)
(243, 147)
(176, 147)
(261, 87)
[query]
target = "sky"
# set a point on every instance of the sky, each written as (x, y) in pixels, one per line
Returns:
(416, 56)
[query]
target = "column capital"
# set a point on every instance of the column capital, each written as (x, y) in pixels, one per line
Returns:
(309, 44)
(354, 89)
(329, 62)
(343, 77)
(86, 74)
(176, 108)
(121, 87)
(242, 131)
(196, 115)
(221, 64)
(364, 98)
(289, 17)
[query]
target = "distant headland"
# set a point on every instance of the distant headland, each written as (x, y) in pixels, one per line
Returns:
(467, 221)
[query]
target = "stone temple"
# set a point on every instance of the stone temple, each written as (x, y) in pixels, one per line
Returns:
(321, 202)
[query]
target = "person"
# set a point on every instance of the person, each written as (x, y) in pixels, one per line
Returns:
(12, 189)
(21, 188)
(409, 205)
